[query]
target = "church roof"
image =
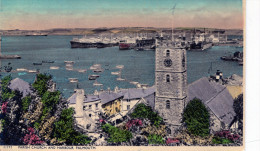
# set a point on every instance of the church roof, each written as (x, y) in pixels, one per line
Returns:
(215, 96)
(20, 85)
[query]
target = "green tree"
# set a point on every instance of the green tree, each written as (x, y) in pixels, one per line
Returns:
(143, 111)
(6, 93)
(196, 117)
(238, 107)
(64, 130)
(26, 103)
(116, 135)
(40, 84)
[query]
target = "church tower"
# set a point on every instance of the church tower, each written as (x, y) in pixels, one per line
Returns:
(171, 83)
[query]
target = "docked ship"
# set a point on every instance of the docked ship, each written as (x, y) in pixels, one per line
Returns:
(201, 45)
(127, 43)
(200, 42)
(85, 42)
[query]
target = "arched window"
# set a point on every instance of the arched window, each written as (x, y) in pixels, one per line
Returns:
(167, 78)
(183, 60)
(169, 131)
(167, 53)
(168, 105)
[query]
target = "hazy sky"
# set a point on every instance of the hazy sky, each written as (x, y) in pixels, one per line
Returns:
(46, 14)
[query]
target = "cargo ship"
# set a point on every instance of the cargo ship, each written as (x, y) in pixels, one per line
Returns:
(85, 42)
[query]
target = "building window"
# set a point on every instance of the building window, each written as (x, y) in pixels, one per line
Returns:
(168, 105)
(128, 100)
(167, 78)
(183, 61)
(169, 131)
(89, 106)
(128, 107)
(167, 53)
(84, 107)
(117, 109)
(89, 115)
(96, 106)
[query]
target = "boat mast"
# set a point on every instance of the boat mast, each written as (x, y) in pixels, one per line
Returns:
(173, 9)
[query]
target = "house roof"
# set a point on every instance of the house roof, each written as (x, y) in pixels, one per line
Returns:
(135, 93)
(21, 85)
(106, 96)
(215, 96)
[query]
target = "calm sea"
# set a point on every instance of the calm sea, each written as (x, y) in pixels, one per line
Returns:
(138, 65)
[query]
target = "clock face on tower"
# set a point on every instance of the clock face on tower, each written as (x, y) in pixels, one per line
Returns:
(168, 62)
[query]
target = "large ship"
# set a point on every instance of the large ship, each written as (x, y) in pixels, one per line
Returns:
(200, 42)
(97, 42)
(127, 43)
(201, 45)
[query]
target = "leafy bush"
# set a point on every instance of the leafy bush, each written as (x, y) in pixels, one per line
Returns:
(41, 83)
(64, 130)
(116, 135)
(238, 107)
(26, 103)
(6, 92)
(143, 111)
(155, 139)
(218, 140)
(196, 116)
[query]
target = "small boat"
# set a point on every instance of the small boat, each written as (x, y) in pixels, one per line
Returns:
(21, 69)
(82, 70)
(98, 70)
(93, 77)
(47, 61)
(73, 80)
(69, 68)
(120, 79)
(54, 67)
(133, 82)
(95, 66)
(97, 84)
(240, 63)
(120, 66)
(69, 62)
(32, 71)
(37, 63)
(115, 73)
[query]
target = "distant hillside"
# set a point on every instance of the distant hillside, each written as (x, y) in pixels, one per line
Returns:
(89, 31)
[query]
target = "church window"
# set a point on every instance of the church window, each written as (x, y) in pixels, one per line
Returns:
(168, 106)
(169, 131)
(167, 78)
(167, 53)
(183, 60)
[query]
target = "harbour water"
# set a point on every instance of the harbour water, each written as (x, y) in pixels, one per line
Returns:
(138, 65)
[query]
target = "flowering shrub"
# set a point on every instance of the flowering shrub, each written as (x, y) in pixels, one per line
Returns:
(31, 138)
(170, 141)
(225, 137)
(102, 121)
(134, 122)
(4, 107)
